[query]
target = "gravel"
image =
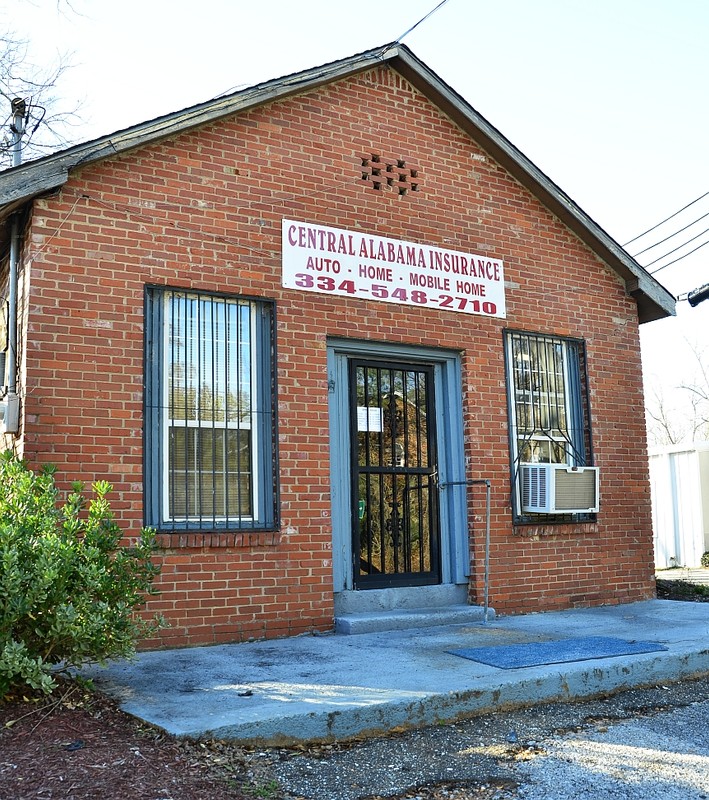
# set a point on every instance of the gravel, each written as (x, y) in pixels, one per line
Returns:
(649, 743)
(658, 758)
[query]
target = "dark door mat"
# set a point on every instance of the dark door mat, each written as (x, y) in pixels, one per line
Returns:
(534, 654)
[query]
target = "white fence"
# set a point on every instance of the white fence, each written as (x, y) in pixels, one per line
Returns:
(679, 481)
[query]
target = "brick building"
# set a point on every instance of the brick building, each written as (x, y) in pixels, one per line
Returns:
(302, 328)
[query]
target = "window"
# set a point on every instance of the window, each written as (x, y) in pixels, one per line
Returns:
(209, 412)
(548, 404)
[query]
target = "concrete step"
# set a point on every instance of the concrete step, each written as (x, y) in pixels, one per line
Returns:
(408, 618)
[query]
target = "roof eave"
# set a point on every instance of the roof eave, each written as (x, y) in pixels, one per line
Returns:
(23, 183)
(50, 172)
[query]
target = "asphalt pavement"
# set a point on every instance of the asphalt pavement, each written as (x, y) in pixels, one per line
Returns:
(641, 744)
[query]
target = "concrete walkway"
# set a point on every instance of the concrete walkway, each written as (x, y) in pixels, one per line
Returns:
(333, 687)
(699, 575)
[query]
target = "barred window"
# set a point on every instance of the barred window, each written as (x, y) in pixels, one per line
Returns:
(548, 404)
(209, 412)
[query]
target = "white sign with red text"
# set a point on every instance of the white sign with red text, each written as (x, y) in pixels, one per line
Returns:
(355, 264)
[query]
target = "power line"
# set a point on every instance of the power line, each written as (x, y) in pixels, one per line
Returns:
(671, 236)
(655, 271)
(423, 19)
(669, 252)
(640, 235)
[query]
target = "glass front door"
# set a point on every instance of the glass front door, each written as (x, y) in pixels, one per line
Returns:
(395, 521)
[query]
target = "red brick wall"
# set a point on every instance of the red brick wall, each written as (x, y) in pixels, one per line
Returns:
(204, 210)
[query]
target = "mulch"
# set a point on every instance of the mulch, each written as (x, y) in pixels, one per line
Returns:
(79, 745)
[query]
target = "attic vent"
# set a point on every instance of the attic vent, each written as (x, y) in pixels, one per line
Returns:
(394, 174)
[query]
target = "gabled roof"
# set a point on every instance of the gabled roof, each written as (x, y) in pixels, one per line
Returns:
(20, 184)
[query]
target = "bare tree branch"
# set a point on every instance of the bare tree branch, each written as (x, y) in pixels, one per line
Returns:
(697, 390)
(663, 426)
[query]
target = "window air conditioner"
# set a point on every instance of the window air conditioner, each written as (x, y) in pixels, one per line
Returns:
(559, 489)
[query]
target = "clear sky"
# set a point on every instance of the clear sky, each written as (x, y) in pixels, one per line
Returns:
(607, 97)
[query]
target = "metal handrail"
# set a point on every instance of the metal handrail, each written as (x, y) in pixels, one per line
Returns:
(488, 487)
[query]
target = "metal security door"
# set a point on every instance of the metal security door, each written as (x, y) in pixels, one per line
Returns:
(395, 522)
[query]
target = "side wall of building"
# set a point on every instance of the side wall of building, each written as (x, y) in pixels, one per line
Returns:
(204, 211)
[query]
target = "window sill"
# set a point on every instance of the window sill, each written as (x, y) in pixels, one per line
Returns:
(222, 539)
(546, 530)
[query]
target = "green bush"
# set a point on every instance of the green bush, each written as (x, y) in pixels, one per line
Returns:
(705, 560)
(69, 592)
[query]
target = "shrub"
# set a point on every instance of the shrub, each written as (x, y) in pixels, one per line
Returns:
(682, 590)
(69, 592)
(705, 559)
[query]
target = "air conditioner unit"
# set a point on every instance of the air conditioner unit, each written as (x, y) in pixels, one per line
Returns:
(559, 489)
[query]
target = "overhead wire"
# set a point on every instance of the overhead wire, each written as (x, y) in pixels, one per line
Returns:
(423, 19)
(679, 247)
(671, 236)
(667, 219)
(25, 145)
(667, 238)
(655, 271)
